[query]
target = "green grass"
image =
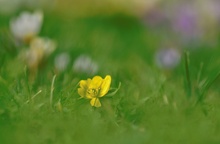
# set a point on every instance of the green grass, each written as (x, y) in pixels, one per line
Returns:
(151, 106)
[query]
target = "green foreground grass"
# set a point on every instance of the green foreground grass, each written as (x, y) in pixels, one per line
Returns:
(152, 105)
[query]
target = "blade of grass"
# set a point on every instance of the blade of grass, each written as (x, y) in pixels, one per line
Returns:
(187, 72)
(200, 72)
(27, 83)
(199, 83)
(34, 96)
(206, 88)
(51, 91)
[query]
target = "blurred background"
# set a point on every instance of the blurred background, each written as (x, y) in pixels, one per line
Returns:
(112, 32)
(157, 30)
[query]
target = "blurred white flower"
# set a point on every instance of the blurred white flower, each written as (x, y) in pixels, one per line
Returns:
(84, 64)
(40, 48)
(61, 61)
(167, 58)
(33, 57)
(27, 25)
(46, 45)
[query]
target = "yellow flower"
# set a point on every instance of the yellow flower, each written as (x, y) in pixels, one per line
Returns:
(94, 89)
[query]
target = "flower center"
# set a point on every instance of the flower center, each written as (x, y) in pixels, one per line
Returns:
(93, 92)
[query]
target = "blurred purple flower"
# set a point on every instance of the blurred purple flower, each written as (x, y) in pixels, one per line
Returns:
(167, 58)
(186, 22)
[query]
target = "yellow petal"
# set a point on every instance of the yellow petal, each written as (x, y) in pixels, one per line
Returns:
(83, 84)
(96, 82)
(95, 102)
(105, 86)
(88, 81)
(82, 92)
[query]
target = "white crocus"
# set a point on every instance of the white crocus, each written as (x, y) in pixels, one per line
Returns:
(61, 61)
(40, 48)
(46, 45)
(84, 64)
(27, 25)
